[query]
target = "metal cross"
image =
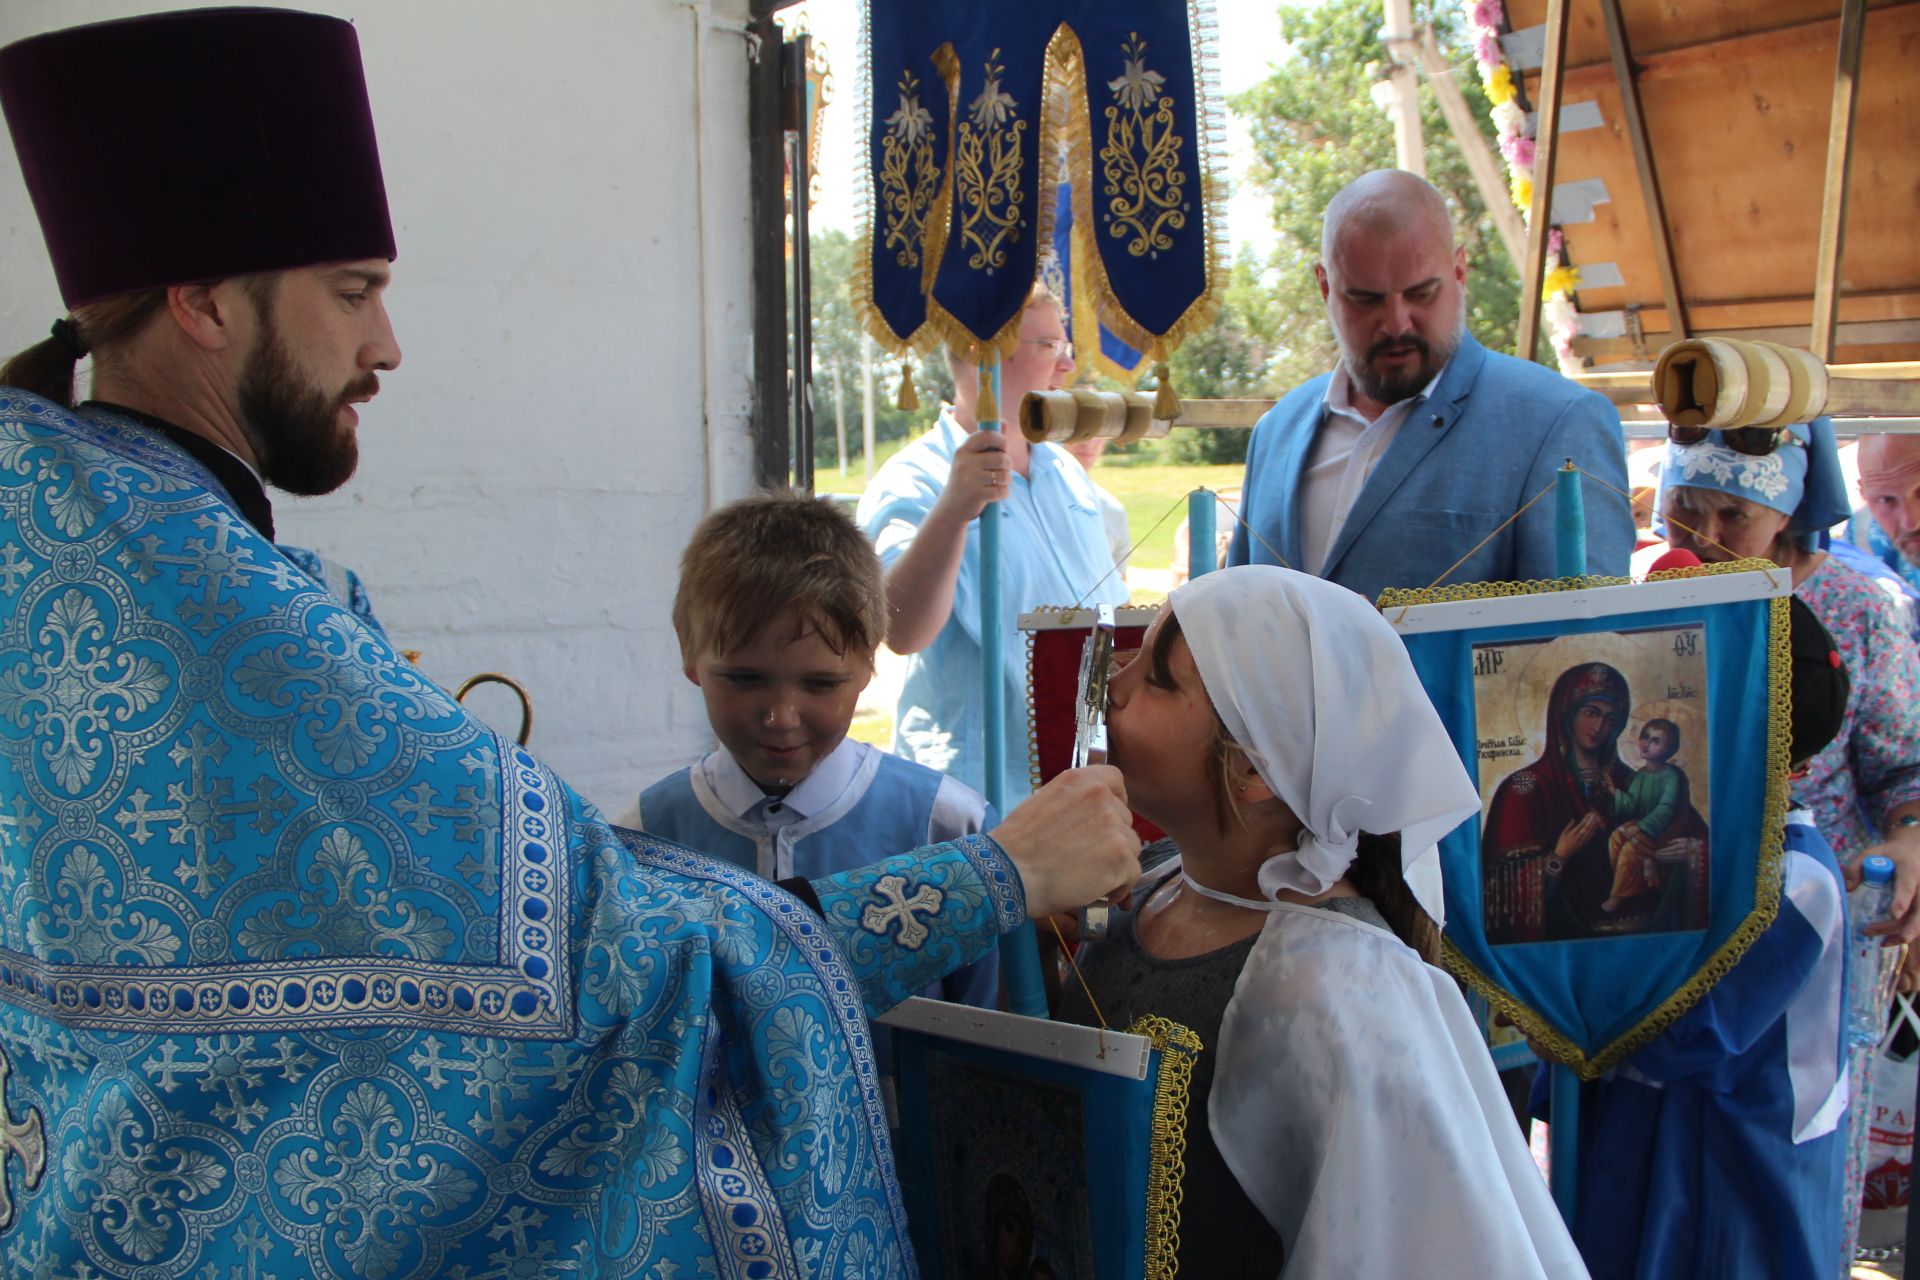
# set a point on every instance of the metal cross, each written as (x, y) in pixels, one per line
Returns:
(900, 909)
(25, 1140)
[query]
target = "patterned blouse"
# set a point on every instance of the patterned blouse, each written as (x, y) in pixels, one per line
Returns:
(1873, 764)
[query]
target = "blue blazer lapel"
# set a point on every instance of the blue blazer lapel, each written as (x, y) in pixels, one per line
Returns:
(1295, 445)
(1424, 428)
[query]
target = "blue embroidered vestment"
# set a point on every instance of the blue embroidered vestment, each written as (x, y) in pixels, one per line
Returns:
(303, 971)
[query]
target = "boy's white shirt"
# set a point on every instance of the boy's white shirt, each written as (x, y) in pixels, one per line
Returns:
(825, 796)
(743, 798)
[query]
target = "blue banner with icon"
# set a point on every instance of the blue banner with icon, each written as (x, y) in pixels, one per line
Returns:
(1629, 742)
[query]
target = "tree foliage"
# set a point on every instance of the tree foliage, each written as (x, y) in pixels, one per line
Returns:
(836, 354)
(1315, 128)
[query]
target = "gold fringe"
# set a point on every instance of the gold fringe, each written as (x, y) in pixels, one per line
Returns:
(907, 399)
(860, 287)
(1167, 1165)
(1166, 405)
(1064, 76)
(947, 63)
(1203, 37)
(1766, 895)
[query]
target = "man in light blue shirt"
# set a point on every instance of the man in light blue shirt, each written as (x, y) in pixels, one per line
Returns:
(922, 512)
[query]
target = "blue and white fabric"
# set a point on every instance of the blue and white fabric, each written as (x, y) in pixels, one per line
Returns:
(1717, 1149)
(1801, 478)
(1053, 551)
(305, 972)
(856, 805)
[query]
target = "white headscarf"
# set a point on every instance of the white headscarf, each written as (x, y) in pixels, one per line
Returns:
(1317, 689)
(1353, 1098)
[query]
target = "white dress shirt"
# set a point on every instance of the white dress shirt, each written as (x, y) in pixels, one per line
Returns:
(1346, 449)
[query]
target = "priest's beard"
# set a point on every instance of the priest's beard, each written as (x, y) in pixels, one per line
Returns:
(294, 426)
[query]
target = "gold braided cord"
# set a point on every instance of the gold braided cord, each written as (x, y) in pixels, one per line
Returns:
(1167, 1163)
(1766, 890)
(1407, 597)
(1033, 722)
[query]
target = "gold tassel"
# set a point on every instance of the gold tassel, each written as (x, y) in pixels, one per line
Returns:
(989, 404)
(1166, 405)
(907, 400)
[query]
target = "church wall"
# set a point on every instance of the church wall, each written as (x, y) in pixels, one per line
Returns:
(568, 187)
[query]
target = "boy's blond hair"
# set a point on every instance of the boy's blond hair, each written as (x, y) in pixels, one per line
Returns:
(778, 551)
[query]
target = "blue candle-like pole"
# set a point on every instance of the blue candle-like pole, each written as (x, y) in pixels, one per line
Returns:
(1570, 561)
(992, 681)
(1019, 949)
(1569, 524)
(1203, 551)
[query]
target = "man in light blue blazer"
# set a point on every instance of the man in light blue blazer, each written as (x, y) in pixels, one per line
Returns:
(1421, 443)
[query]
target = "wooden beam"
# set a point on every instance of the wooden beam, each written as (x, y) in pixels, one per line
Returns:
(1482, 163)
(1833, 200)
(1545, 148)
(1636, 127)
(1896, 335)
(1409, 148)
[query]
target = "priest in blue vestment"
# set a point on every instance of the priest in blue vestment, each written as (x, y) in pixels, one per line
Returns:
(304, 971)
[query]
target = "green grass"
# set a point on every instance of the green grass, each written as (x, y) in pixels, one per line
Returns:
(1147, 485)
(1151, 490)
(873, 727)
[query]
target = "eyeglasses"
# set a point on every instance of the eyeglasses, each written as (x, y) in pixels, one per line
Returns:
(1061, 348)
(1755, 442)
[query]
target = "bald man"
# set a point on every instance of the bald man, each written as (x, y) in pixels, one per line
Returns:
(1415, 451)
(1889, 524)
(1883, 537)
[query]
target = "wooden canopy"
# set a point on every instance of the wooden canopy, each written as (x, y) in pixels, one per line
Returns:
(1702, 162)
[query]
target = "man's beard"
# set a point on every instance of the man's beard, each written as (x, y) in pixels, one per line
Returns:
(1391, 387)
(294, 427)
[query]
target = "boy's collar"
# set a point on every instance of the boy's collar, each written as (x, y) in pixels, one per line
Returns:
(812, 795)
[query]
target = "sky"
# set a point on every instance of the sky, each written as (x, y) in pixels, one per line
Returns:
(1249, 43)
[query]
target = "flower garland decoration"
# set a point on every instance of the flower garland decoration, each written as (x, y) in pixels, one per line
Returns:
(1486, 21)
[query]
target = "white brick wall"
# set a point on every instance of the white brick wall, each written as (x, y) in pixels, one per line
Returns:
(572, 301)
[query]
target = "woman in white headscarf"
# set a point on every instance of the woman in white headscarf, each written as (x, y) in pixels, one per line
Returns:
(1344, 1117)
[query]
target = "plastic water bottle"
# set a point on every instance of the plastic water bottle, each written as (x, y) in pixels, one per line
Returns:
(1868, 996)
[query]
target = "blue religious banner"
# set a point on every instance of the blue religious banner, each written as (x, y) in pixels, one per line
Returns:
(1630, 746)
(968, 106)
(1040, 1148)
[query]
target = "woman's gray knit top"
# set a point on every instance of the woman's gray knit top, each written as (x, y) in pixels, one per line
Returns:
(1222, 1234)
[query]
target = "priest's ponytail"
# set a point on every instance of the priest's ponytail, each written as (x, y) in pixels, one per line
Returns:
(1377, 874)
(100, 329)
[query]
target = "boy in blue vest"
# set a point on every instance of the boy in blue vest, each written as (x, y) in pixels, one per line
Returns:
(779, 612)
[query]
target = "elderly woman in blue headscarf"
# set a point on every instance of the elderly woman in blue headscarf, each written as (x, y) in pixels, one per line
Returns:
(1772, 493)
(1721, 498)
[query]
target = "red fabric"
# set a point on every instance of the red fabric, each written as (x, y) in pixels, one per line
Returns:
(1054, 680)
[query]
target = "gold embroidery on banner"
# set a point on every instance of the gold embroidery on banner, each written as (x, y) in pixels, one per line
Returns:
(908, 177)
(1167, 1162)
(987, 173)
(1145, 185)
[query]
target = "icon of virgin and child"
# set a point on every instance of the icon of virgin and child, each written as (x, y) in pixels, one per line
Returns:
(1578, 843)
